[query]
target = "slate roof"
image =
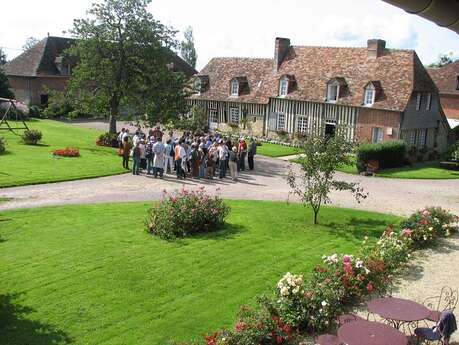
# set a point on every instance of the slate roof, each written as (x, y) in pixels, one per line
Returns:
(446, 78)
(398, 72)
(40, 59)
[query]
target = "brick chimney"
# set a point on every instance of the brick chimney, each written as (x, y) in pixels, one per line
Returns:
(375, 48)
(280, 51)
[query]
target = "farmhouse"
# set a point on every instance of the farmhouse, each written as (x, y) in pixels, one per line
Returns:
(373, 93)
(46, 65)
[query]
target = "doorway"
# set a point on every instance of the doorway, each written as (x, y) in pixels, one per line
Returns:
(330, 129)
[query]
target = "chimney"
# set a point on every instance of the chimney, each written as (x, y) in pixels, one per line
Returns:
(280, 51)
(375, 48)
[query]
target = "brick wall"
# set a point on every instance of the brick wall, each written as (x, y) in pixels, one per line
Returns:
(30, 89)
(369, 118)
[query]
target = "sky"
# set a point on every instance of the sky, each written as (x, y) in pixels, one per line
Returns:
(247, 28)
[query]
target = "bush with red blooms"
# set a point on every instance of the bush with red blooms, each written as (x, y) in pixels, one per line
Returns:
(67, 152)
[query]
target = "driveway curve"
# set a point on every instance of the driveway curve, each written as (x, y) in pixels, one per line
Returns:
(266, 182)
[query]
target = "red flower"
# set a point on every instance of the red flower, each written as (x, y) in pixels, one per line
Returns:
(423, 221)
(370, 287)
(240, 326)
(279, 339)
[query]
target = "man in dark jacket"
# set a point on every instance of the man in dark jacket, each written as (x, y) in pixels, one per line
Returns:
(251, 152)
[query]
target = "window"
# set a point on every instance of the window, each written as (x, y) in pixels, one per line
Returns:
(234, 87)
(234, 115)
(213, 116)
(377, 135)
(302, 124)
(418, 101)
(429, 101)
(412, 138)
(421, 137)
(457, 82)
(332, 92)
(280, 121)
(283, 87)
(43, 99)
(369, 97)
(197, 86)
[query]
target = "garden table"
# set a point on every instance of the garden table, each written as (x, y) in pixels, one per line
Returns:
(370, 333)
(398, 311)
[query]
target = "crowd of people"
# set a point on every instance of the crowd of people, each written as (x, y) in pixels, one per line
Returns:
(198, 156)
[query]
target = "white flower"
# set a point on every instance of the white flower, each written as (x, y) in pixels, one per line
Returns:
(324, 303)
(366, 270)
(284, 291)
(359, 264)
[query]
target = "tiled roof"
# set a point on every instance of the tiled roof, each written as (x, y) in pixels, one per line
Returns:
(446, 77)
(40, 59)
(398, 72)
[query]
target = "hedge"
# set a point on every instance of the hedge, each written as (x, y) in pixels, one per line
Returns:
(389, 154)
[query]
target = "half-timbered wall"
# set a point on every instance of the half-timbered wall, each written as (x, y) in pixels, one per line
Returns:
(317, 116)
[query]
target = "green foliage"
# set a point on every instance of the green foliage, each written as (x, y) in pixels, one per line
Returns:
(29, 43)
(186, 213)
(2, 145)
(320, 159)
(108, 139)
(5, 88)
(31, 136)
(443, 60)
(3, 59)
(453, 152)
(35, 111)
(389, 154)
(61, 104)
(123, 55)
(187, 49)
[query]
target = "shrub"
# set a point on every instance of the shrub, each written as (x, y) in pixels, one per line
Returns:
(186, 212)
(31, 136)
(453, 152)
(2, 145)
(108, 139)
(35, 111)
(389, 154)
(67, 152)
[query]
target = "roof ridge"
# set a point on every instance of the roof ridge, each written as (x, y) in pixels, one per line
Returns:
(362, 48)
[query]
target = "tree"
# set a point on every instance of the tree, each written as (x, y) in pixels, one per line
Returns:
(443, 60)
(318, 163)
(2, 57)
(29, 43)
(187, 49)
(5, 88)
(123, 55)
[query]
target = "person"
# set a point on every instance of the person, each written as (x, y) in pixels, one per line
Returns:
(195, 158)
(149, 155)
(126, 152)
(121, 137)
(179, 158)
(136, 159)
(222, 157)
(445, 326)
(251, 152)
(159, 152)
(136, 138)
(210, 168)
(168, 157)
(202, 166)
(212, 155)
(157, 133)
(143, 158)
(242, 149)
(233, 163)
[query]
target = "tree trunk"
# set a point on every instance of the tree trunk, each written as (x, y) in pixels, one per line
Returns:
(114, 111)
(316, 213)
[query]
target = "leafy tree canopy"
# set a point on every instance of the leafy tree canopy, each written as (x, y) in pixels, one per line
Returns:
(443, 60)
(124, 56)
(187, 49)
(2, 57)
(29, 43)
(5, 88)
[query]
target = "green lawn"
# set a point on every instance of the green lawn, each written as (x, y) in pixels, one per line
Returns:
(90, 274)
(277, 150)
(28, 164)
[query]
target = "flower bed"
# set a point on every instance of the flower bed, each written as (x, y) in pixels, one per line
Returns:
(186, 212)
(67, 152)
(300, 306)
(108, 139)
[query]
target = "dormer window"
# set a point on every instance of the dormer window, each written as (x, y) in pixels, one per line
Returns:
(283, 87)
(198, 86)
(369, 95)
(332, 91)
(234, 89)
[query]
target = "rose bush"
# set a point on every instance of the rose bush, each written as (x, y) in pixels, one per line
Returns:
(186, 212)
(67, 152)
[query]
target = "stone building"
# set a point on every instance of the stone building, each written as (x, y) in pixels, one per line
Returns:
(373, 93)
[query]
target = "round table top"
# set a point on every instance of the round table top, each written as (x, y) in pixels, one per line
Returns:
(398, 309)
(370, 333)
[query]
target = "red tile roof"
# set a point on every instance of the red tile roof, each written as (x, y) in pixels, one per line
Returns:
(446, 77)
(399, 73)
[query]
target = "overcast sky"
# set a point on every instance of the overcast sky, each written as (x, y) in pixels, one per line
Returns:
(247, 27)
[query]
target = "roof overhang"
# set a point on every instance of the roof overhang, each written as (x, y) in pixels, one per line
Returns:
(444, 13)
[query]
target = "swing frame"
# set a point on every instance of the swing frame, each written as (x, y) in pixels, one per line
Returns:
(18, 115)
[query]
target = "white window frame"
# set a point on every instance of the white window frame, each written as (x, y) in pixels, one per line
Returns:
(301, 124)
(421, 137)
(213, 115)
(369, 99)
(234, 87)
(283, 87)
(429, 101)
(329, 87)
(412, 138)
(280, 127)
(418, 101)
(234, 115)
(377, 135)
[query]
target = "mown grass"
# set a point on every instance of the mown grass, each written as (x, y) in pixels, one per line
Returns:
(277, 150)
(90, 274)
(29, 164)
